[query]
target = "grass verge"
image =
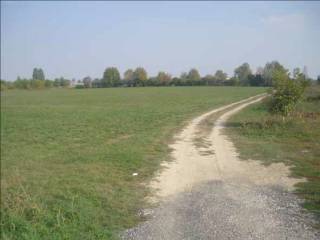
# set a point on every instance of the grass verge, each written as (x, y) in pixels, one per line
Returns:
(294, 140)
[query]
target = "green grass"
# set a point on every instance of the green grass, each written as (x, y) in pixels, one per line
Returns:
(68, 155)
(294, 141)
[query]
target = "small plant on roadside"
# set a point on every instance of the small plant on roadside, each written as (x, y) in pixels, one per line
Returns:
(286, 93)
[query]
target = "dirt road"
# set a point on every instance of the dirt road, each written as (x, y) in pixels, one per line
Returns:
(207, 192)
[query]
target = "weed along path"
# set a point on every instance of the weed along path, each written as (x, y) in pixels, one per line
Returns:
(206, 192)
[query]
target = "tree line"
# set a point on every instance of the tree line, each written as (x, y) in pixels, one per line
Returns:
(243, 76)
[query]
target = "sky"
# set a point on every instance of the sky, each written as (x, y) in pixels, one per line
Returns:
(79, 39)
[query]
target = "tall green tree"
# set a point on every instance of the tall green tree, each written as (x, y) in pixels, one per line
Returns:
(183, 78)
(87, 82)
(164, 78)
(128, 77)
(194, 75)
(56, 82)
(35, 74)
(269, 71)
(38, 74)
(111, 77)
(242, 73)
(140, 76)
(220, 77)
(61, 82)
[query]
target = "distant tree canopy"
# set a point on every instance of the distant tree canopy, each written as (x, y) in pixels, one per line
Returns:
(38, 74)
(164, 78)
(243, 76)
(218, 79)
(22, 83)
(192, 78)
(194, 75)
(87, 82)
(61, 82)
(269, 71)
(128, 77)
(96, 83)
(140, 76)
(220, 76)
(111, 77)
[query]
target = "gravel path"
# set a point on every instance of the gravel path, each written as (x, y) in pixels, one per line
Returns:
(217, 196)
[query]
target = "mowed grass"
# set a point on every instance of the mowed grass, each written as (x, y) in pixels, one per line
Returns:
(68, 155)
(294, 141)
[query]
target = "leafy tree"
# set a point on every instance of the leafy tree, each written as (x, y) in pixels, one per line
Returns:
(209, 80)
(35, 73)
(87, 82)
(111, 77)
(259, 71)
(48, 83)
(255, 80)
(128, 77)
(233, 81)
(64, 82)
(318, 79)
(176, 81)
(242, 73)
(194, 75)
(140, 76)
(270, 70)
(56, 82)
(96, 83)
(41, 75)
(164, 78)
(220, 77)
(152, 81)
(61, 82)
(183, 78)
(22, 83)
(37, 84)
(38, 74)
(286, 92)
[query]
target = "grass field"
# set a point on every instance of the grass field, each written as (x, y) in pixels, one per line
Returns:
(68, 155)
(294, 141)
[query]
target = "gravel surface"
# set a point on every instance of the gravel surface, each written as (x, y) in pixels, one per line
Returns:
(218, 196)
(218, 210)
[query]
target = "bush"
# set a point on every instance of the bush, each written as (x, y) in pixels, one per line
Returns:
(79, 87)
(37, 84)
(286, 93)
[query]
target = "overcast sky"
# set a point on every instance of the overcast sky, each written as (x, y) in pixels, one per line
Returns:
(77, 39)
